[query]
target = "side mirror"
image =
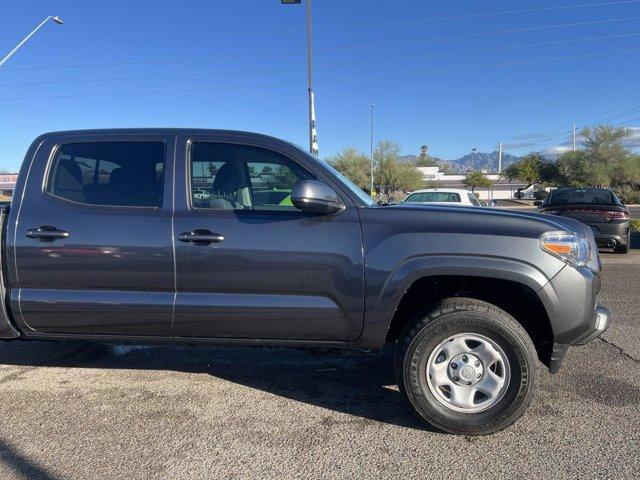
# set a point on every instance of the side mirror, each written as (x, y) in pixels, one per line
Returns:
(483, 203)
(537, 203)
(316, 197)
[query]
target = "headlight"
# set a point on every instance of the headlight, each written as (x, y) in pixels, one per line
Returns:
(570, 247)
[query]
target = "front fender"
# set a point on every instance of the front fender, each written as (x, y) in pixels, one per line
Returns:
(380, 308)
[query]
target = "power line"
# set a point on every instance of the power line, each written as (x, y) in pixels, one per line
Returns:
(395, 58)
(497, 32)
(139, 62)
(428, 20)
(141, 77)
(466, 65)
(157, 92)
(203, 59)
(490, 14)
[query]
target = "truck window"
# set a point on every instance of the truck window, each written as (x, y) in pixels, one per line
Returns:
(473, 199)
(240, 177)
(126, 174)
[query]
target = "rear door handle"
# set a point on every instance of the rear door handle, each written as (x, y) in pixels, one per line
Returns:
(46, 233)
(200, 237)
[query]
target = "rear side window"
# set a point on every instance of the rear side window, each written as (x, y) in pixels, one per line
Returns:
(127, 174)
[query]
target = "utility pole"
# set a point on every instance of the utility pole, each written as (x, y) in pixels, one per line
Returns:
(499, 157)
(574, 137)
(371, 146)
(473, 159)
(313, 135)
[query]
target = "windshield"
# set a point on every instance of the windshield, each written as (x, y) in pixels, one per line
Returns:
(583, 196)
(426, 197)
(366, 199)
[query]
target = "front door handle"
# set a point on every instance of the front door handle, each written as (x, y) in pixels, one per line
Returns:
(200, 237)
(46, 233)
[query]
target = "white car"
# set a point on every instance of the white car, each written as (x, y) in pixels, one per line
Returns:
(444, 196)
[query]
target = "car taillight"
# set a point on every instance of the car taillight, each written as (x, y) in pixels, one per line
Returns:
(617, 215)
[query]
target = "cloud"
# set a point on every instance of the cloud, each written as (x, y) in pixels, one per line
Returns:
(554, 151)
(634, 139)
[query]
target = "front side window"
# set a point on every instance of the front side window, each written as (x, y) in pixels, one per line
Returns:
(109, 173)
(240, 177)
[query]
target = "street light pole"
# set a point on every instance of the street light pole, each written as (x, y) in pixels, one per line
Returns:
(371, 146)
(313, 135)
(24, 40)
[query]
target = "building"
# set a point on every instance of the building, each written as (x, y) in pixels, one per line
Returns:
(7, 183)
(500, 190)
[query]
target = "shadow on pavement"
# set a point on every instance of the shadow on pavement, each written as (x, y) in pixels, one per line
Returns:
(22, 466)
(354, 383)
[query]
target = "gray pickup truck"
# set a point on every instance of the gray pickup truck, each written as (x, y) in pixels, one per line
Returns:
(212, 236)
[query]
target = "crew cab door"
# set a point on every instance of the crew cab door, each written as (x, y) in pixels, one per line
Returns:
(92, 238)
(248, 263)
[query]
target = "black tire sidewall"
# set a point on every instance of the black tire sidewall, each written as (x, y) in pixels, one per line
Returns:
(522, 376)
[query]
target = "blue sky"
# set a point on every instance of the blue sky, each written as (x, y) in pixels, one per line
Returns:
(453, 75)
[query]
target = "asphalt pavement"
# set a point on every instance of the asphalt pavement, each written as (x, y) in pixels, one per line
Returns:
(84, 411)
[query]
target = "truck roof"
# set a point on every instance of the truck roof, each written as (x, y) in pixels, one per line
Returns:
(163, 131)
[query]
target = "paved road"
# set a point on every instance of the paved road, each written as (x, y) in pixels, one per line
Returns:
(81, 411)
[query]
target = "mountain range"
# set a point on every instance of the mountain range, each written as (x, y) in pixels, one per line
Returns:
(477, 160)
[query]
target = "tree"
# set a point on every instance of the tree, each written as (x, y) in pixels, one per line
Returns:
(390, 174)
(603, 160)
(532, 169)
(354, 165)
(424, 160)
(475, 178)
(526, 170)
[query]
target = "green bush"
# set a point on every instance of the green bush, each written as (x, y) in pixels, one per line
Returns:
(635, 225)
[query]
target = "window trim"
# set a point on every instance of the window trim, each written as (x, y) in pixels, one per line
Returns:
(47, 177)
(189, 148)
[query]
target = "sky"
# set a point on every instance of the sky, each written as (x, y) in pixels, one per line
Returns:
(453, 75)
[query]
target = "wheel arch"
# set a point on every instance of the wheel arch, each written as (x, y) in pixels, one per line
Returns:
(417, 285)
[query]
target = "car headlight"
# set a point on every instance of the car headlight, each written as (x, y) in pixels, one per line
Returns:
(573, 248)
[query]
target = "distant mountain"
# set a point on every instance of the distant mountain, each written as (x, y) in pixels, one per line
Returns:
(414, 158)
(479, 160)
(484, 161)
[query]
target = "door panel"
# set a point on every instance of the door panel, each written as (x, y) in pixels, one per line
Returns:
(278, 273)
(113, 273)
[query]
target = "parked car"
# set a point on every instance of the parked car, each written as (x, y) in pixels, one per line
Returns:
(109, 239)
(599, 208)
(444, 196)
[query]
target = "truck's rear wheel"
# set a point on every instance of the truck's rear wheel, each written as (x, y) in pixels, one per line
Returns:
(468, 367)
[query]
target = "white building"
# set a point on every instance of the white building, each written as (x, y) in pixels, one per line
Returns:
(501, 188)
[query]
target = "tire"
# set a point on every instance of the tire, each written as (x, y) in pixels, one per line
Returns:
(490, 335)
(621, 248)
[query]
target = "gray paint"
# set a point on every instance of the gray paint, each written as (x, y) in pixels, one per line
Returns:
(289, 277)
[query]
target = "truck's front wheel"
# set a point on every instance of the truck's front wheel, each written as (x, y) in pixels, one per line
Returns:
(467, 367)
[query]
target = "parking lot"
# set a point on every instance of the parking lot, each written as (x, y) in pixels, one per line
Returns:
(79, 410)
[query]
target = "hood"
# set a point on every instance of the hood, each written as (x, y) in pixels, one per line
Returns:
(494, 221)
(557, 223)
